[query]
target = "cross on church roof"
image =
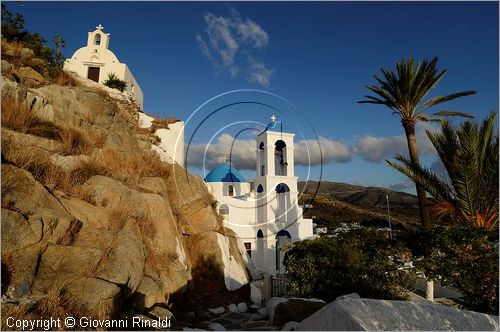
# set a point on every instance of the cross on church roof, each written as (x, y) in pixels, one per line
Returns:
(273, 118)
(99, 27)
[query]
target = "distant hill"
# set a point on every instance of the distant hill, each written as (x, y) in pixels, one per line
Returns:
(335, 203)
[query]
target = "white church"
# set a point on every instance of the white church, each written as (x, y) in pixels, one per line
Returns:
(264, 213)
(96, 61)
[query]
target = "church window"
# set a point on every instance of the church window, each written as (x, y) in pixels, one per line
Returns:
(261, 159)
(230, 190)
(223, 209)
(280, 161)
(248, 247)
(260, 188)
(260, 234)
(97, 40)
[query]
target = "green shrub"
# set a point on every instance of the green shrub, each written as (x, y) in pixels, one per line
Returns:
(13, 30)
(465, 258)
(364, 261)
(115, 83)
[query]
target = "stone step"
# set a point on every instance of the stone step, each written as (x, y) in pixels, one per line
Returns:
(263, 328)
(258, 323)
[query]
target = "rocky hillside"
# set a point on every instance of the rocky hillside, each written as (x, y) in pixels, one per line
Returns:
(93, 222)
(335, 203)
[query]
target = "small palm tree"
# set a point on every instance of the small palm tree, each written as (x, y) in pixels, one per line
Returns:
(468, 192)
(404, 92)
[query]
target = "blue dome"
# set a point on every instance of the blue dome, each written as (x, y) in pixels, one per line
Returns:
(224, 173)
(274, 126)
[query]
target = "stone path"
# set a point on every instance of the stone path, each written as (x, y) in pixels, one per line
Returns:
(250, 320)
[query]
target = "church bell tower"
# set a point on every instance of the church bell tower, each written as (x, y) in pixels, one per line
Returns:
(277, 211)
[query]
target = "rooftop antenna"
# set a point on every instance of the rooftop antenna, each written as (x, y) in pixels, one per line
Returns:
(389, 215)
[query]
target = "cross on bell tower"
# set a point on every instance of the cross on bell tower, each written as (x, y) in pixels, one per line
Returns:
(273, 118)
(98, 39)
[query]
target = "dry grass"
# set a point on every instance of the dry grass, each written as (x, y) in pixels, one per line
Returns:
(18, 116)
(71, 233)
(105, 94)
(159, 260)
(57, 303)
(38, 163)
(86, 170)
(120, 166)
(89, 116)
(147, 226)
(65, 79)
(85, 193)
(16, 47)
(125, 167)
(106, 258)
(35, 161)
(7, 270)
(163, 123)
(119, 215)
(81, 142)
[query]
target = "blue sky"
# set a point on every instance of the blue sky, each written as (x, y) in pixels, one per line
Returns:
(317, 56)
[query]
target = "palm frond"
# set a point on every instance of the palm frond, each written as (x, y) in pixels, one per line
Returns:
(469, 191)
(442, 99)
(422, 176)
(404, 89)
(454, 113)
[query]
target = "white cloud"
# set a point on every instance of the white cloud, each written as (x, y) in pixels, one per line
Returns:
(253, 33)
(260, 74)
(376, 148)
(403, 185)
(241, 152)
(203, 47)
(311, 151)
(322, 150)
(243, 155)
(230, 42)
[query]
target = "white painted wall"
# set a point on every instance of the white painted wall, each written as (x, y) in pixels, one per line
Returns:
(171, 145)
(220, 189)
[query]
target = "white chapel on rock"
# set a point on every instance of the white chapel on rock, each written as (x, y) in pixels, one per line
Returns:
(264, 214)
(95, 61)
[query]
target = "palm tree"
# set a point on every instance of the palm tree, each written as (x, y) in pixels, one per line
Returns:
(468, 192)
(403, 92)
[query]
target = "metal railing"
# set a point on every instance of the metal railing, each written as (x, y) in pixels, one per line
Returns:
(280, 286)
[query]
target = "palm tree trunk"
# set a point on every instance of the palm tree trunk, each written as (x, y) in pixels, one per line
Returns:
(422, 197)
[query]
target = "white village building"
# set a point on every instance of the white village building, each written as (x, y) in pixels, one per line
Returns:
(264, 213)
(95, 61)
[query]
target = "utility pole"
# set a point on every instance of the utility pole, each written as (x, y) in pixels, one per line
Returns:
(389, 215)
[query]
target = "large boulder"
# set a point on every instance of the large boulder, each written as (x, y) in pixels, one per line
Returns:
(351, 314)
(282, 310)
(6, 67)
(30, 77)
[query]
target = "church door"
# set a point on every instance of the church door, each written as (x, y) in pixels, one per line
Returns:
(94, 74)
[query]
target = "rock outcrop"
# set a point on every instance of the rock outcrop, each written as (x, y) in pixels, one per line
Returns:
(282, 310)
(358, 314)
(88, 207)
